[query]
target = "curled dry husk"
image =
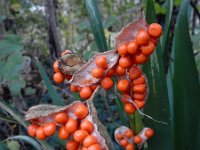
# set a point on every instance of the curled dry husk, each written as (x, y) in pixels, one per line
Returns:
(122, 130)
(83, 76)
(128, 33)
(70, 63)
(44, 113)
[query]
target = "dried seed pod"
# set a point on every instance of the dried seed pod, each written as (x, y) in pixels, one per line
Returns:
(42, 114)
(144, 136)
(70, 63)
(128, 33)
(83, 76)
(122, 130)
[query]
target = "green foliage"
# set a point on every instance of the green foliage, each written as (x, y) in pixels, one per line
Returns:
(13, 145)
(185, 85)
(18, 117)
(96, 24)
(12, 63)
(51, 91)
(157, 104)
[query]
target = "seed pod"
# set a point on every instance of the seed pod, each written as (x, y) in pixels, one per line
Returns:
(42, 114)
(70, 63)
(122, 130)
(143, 136)
(128, 33)
(83, 76)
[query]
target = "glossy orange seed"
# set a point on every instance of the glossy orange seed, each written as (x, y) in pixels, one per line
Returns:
(155, 30)
(87, 125)
(85, 92)
(134, 72)
(81, 111)
(49, 129)
(101, 61)
(32, 129)
(72, 145)
(120, 71)
(97, 72)
(122, 50)
(137, 139)
(139, 80)
(129, 133)
(123, 142)
(89, 140)
(55, 66)
(139, 96)
(132, 48)
(142, 37)
(148, 49)
(61, 117)
(95, 147)
(71, 125)
(140, 58)
(40, 133)
(119, 136)
(149, 132)
(140, 104)
(140, 88)
(80, 135)
(125, 62)
(63, 134)
(129, 108)
(123, 85)
(107, 83)
(129, 147)
(58, 77)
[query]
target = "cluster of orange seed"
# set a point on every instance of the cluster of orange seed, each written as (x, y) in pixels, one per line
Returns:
(76, 128)
(125, 137)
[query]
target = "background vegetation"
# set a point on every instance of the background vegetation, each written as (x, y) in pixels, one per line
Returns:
(34, 32)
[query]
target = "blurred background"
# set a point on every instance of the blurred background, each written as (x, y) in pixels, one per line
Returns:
(32, 30)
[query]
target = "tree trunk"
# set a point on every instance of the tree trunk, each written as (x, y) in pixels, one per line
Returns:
(53, 35)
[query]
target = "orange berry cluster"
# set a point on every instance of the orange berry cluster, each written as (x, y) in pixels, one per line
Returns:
(58, 76)
(134, 89)
(75, 125)
(126, 139)
(99, 72)
(138, 51)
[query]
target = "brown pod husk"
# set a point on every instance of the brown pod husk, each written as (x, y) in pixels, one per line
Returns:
(98, 125)
(70, 63)
(128, 33)
(122, 130)
(83, 76)
(44, 113)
